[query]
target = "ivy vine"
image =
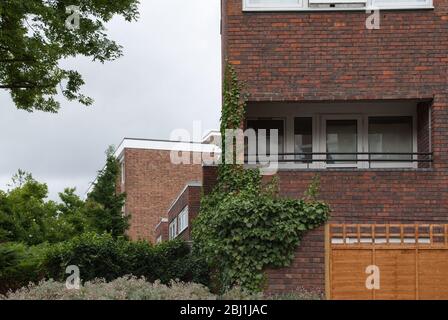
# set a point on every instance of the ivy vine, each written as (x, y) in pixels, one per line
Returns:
(244, 226)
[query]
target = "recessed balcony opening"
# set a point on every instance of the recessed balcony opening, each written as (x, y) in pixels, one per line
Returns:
(356, 135)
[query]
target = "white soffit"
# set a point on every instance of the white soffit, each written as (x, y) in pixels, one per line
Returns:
(165, 145)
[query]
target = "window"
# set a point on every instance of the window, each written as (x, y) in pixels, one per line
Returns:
(173, 229)
(341, 141)
(183, 220)
(391, 134)
(303, 137)
(122, 172)
(159, 239)
(268, 125)
(299, 5)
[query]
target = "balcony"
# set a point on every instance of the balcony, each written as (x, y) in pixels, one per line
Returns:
(358, 160)
(338, 135)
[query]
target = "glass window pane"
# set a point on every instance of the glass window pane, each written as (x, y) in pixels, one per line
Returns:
(390, 134)
(183, 219)
(342, 136)
(268, 124)
(303, 137)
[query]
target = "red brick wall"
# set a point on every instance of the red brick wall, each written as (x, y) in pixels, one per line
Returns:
(423, 132)
(355, 196)
(152, 183)
(209, 176)
(162, 231)
(331, 56)
(292, 56)
(306, 271)
(191, 197)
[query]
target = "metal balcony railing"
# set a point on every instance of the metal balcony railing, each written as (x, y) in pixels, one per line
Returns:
(339, 158)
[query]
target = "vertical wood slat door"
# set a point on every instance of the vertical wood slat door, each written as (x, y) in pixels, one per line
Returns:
(412, 261)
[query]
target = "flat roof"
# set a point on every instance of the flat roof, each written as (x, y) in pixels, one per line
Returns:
(167, 145)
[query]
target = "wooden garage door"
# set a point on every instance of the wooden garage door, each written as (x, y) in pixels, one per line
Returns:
(380, 262)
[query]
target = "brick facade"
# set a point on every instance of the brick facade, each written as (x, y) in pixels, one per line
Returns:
(161, 230)
(327, 56)
(191, 197)
(331, 57)
(151, 184)
(355, 196)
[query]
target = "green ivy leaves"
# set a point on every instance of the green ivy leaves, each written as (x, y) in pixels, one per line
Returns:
(244, 227)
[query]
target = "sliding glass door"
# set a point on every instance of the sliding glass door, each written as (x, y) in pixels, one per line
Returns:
(341, 140)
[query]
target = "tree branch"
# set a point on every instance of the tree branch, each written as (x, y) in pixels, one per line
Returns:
(16, 60)
(24, 86)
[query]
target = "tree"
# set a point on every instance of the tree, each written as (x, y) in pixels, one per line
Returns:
(72, 210)
(35, 36)
(104, 204)
(26, 216)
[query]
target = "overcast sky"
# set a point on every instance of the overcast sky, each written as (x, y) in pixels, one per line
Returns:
(168, 77)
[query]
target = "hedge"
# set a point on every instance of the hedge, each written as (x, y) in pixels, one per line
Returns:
(21, 264)
(99, 257)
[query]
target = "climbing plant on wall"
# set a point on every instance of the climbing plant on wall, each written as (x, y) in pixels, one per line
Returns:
(244, 226)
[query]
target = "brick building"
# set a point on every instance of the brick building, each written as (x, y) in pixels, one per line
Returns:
(367, 110)
(153, 173)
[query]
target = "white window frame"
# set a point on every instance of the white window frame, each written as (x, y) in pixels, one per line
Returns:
(303, 5)
(183, 220)
(173, 229)
(159, 239)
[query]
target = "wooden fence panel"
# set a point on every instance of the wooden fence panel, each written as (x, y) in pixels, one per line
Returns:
(412, 260)
(433, 274)
(349, 279)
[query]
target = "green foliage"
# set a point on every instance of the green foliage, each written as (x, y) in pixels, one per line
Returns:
(243, 226)
(27, 216)
(124, 288)
(34, 40)
(133, 288)
(99, 256)
(232, 117)
(104, 204)
(241, 233)
(20, 264)
(102, 256)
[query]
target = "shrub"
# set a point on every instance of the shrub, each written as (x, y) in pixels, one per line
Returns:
(101, 256)
(125, 288)
(133, 288)
(299, 294)
(20, 265)
(97, 256)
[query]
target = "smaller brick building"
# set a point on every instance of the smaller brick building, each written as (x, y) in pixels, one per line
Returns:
(153, 173)
(183, 211)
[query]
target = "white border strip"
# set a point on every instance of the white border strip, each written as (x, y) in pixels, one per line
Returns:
(129, 143)
(302, 5)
